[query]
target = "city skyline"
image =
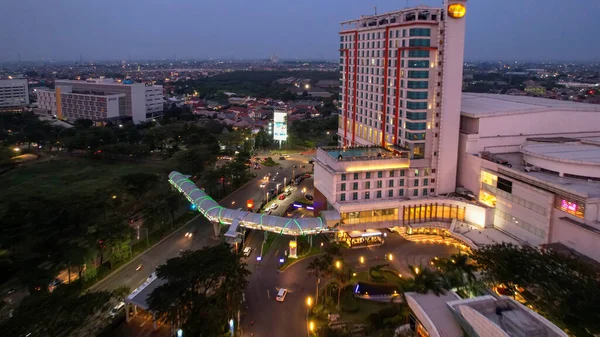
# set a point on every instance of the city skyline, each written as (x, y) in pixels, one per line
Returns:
(166, 31)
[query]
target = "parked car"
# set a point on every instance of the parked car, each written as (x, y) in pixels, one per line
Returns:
(307, 175)
(281, 197)
(282, 158)
(247, 251)
(274, 206)
(308, 197)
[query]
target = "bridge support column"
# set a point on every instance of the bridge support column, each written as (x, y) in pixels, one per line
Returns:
(217, 228)
(310, 238)
(243, 236)
(263, 243)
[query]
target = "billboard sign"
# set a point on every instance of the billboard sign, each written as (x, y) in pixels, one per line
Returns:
(280, 125)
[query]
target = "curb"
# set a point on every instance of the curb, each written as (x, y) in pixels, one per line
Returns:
(298, 260)
(142, 253)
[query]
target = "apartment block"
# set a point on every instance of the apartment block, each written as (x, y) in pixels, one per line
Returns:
(14, 93)
(102, 100)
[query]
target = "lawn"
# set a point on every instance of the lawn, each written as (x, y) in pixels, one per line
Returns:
(61, 177)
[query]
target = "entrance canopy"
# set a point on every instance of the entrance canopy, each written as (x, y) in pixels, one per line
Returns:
(217, 213)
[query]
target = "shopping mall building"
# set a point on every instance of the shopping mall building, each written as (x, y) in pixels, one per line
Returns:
(416, 153)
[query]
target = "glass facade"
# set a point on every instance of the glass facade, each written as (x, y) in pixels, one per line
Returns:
(416, 105)
(419, 32)
(379, 215)
(416, 115)
(418, 74)
(418, 53)
(417, 94)
(419, 43)
(432, 212)
(417, 84)
(418, 63)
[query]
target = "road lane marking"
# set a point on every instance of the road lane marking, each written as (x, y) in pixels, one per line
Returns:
(268, 293)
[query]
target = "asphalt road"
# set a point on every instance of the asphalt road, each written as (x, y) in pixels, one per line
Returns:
(159, 254)
(272, 318)
(171, 246)
(253, 190)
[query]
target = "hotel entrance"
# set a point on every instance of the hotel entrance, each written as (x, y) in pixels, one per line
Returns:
(360, 239)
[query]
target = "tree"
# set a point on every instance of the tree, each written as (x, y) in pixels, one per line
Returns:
(138, 184)
(83, 123)
(203, 290)
(317, 266)
(55, 314)
(342, 277)
(425, 280)
(192, 161)
(561, 286)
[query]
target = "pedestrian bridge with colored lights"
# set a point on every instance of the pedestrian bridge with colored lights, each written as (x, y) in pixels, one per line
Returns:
(226, 216)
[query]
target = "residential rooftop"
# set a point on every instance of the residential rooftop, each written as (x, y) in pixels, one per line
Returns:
(493, 105)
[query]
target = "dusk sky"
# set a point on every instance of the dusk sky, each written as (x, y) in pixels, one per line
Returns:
(306, 29)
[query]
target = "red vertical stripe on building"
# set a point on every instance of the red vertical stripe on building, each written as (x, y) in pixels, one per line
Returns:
(385, 84)
(354, 113)
(397, 115)
(346, 98)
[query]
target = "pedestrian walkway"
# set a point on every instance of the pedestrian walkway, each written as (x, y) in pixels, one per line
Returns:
(219, 214)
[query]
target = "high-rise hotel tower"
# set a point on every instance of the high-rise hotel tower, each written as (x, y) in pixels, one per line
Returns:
(401, 80)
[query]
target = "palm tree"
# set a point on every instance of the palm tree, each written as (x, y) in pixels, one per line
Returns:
(342, 277)
(426, 280)
(315, 266)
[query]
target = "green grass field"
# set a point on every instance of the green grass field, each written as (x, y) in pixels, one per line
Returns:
(62, 177)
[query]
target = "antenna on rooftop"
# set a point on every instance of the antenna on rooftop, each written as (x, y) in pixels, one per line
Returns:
(375, 7)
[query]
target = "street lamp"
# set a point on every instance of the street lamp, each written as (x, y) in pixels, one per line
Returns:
(362, 260)
(309, 301)
(338, 264)
(311, 326)
(391, 257)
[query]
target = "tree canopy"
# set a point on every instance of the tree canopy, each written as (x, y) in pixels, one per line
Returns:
(203, 290)
(562, 287)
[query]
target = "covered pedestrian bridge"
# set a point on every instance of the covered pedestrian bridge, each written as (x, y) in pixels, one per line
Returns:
(220, 215)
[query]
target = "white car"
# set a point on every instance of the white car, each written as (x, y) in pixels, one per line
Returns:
(281, 295)
(262, 185)
(247, 251)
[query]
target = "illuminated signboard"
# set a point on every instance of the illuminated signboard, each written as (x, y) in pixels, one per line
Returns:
(280, 125)
(568, 206)
(457, 10)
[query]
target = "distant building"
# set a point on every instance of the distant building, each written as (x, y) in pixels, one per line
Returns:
(102, 100)
(533, 88)
(14, 94)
